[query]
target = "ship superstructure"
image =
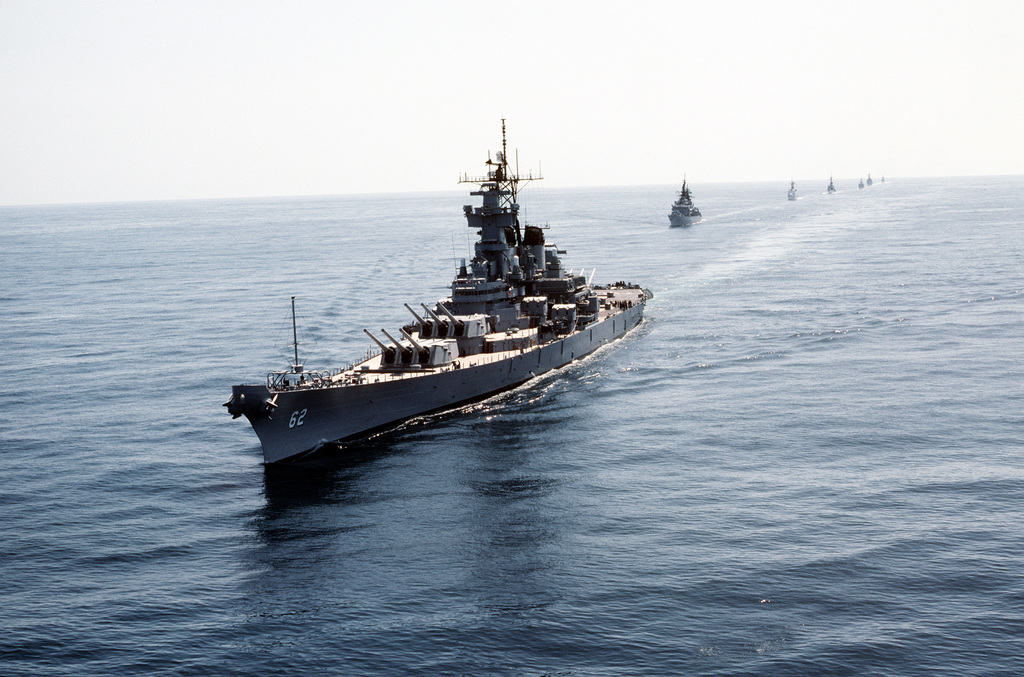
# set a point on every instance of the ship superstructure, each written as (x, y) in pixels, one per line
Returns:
(514, 313)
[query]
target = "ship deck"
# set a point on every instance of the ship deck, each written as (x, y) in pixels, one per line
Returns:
(373, 371)
(613, 301)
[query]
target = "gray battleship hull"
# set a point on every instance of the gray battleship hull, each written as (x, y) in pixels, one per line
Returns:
(675, 219)
(306, 419)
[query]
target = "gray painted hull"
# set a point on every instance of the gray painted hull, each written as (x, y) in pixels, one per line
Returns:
(676, 220)
(307, 419)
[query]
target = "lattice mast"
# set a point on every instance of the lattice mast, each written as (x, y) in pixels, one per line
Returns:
(500, 176)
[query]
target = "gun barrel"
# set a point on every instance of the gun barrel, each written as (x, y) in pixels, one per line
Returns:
(430, 312)
(459, 323)
(394, 340)
(415, 345)
(374, 339)
(418, 318)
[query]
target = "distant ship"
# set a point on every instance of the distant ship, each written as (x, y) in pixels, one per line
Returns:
(831, 186)
(869, 180)
(683, 212)
(861, 185)
(514, 313)
(792, 190)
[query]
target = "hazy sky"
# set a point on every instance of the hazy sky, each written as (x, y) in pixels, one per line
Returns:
(139, 100)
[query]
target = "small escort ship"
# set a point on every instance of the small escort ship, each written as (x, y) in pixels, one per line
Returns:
(683, 212)
(514, 313)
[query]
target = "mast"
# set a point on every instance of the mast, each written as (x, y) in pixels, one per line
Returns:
(295, 340)
(504, 158)
(500, 176)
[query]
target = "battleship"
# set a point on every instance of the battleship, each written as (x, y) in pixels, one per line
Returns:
(683, 212)
(514, 313)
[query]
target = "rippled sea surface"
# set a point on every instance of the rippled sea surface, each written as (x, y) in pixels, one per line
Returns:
(806, 461)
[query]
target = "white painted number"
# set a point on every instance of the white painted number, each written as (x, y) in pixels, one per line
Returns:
(296, 419)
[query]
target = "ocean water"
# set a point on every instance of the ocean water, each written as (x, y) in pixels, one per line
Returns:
(806, 461)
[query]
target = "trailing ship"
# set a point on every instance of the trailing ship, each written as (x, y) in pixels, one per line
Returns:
(683, 212)
(514, 313)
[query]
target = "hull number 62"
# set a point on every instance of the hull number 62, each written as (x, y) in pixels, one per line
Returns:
(296, 419)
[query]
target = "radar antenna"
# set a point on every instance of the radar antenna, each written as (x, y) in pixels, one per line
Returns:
(499, 175)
